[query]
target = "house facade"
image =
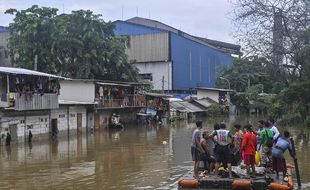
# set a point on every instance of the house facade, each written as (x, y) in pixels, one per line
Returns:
(172, 59)
(27, 98)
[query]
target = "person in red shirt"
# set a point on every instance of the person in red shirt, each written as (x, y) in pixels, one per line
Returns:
(249, 148)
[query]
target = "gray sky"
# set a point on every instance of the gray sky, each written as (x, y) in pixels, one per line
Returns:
(204, 18)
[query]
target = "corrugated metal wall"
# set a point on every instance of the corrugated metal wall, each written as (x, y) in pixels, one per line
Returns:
(194, 64)
(123, 28)
(149, 48)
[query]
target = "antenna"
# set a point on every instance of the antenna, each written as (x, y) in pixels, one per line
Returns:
(137, 10)
(63, 8)
(149, 14)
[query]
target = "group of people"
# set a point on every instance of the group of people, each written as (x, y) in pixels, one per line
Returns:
(28, 85)
(222, 147)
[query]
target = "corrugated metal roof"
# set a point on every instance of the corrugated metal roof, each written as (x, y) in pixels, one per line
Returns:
(158, 95)
(204, 102)
(21, 71)
(4, 29)
(223, 46)
(111, 84)
(185, 107)
(215, 89)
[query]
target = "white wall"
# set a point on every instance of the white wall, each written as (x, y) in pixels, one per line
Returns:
(62, 117)
(214, 95)
(158, 70)
(37, 123)
(74, 90)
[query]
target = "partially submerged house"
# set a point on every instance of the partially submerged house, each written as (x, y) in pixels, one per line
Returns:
(48, 104)
(27, 98)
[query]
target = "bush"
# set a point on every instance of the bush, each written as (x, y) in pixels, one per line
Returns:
(290, 119)
(217, 109)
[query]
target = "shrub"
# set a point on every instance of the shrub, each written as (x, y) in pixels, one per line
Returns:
(217, 109)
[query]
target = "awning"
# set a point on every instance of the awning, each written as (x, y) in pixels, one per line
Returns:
(21, 71)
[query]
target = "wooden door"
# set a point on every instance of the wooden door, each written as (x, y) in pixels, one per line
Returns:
(97, 121)
(79, 122)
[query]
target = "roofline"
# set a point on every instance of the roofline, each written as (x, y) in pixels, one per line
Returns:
(19, 71)
(215, 89)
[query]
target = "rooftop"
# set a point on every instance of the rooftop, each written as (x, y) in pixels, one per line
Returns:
(21, 71)
(223, 46)
(215, 89)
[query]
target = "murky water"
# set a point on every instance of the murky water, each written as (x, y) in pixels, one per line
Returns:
(136, 158)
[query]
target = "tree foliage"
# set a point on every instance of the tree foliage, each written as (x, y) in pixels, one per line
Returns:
(76, 45)
(273, 29)
(245, 72)
(277, 36)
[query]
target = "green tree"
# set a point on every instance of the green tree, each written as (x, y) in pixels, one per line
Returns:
(76, 45)
(245, 72)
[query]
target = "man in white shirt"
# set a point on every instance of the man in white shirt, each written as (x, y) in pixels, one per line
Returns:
(222, 152)
(274, 130)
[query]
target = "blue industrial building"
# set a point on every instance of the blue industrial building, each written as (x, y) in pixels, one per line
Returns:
(172, 59)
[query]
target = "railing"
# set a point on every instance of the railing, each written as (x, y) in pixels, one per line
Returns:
(33, 101)
(126, 102)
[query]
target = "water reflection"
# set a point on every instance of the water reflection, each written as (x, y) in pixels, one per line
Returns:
(144, 157)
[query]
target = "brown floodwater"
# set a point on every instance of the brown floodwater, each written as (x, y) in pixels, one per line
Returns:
(139, 157)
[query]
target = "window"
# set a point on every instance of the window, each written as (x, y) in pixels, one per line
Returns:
(62, 115)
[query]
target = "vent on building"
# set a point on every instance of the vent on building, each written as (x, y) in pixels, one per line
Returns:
(147, 76)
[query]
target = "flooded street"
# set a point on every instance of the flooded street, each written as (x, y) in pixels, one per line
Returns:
(137, 158)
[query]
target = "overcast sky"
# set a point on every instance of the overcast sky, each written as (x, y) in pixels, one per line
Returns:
(204, 18)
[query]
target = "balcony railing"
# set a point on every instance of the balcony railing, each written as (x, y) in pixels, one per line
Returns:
(33, 101)
(126, 102)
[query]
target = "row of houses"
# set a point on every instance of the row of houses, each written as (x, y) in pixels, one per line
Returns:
(48, 104)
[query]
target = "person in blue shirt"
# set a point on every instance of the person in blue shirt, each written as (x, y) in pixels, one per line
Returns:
(278, 160)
